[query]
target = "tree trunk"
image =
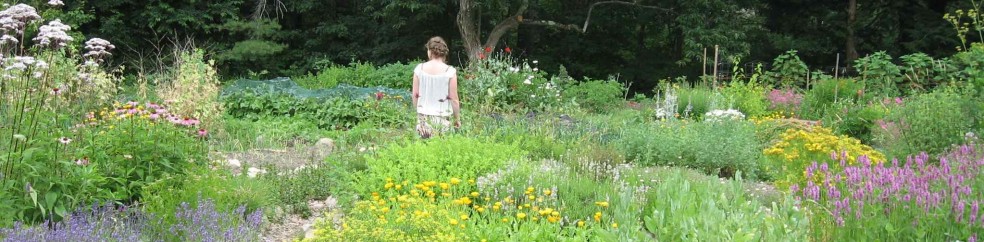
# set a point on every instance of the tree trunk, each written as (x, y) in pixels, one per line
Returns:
(851, 44)
(468, 28)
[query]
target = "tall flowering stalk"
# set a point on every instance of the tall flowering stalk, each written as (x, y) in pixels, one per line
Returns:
(919, 199)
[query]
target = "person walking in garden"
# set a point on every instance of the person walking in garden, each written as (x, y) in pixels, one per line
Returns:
(435, 91)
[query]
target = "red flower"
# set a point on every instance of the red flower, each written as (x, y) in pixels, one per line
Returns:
(488, 49)
(379, 95)
(481, 56)
(508, 50)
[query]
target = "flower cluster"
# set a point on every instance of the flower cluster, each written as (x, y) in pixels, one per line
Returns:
(719, 115)
(98, 49)
(15, 18)
(98, 223)
(922, 193)
(444, 211)
(206, 223)
(54, 35)
(784, 99)
(798, 148)
(149, 111)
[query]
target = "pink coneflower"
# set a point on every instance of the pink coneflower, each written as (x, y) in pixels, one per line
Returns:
(82, 162)
(65, 140)
(154, 116)
(189, 121)
(56, 91)
(202, 133)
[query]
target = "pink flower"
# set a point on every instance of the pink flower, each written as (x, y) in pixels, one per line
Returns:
(202, 133)
(189, 121)
(56, 91)
(82, 162)
(65, 140)
(154, 116)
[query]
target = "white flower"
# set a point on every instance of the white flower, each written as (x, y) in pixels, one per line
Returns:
(53, 34)
(8, 39)
(56, 3)
(20, 137)
(82, 162)
(721, 115)
(528, 82)
(98, 48)
(533, 96)
(15, 18)
(65, 140)
(536, 69)
(536, 61)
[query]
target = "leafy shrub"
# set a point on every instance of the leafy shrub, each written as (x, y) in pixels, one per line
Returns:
(192, 203)
(921, 73)
(921, 199)
(879, 74)
(788, 71)
(928, 122)
(786, 160)
(748, 97)
(194, 89)
(693, 207)
(597, 95)
(334, 113)
(434, 160)
(694, 102)
(501, 83)
(393, 75)
(720, 148)
(855, 120)
(825, 92)
(296, 188)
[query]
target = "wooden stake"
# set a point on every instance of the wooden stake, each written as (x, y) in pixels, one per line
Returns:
(837, 65)
(715, 66)
(703, 76)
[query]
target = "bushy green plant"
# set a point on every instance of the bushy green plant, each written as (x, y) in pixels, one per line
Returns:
(334, 113)
(207, 182)
(853, 119)
(930, 122)
(597, 95)
(879, 74)
(694, 102)
(296, 188)
(194, 89)
(826, 92)
(437, 159)
(684, 207)
(788, 71)
(920, 71)
(720, 148)
(361, 74)
(501, 83)
(747, 97)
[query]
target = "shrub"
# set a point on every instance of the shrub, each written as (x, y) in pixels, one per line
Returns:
(431, 160)
(748, 97)
(393, 75)
(788, 71)
(798, 148)
(856, 120)
(694, 102)
(296, 188)
(597, 95)
(920, 199)
(824, 93)
(194, 89)
(879, 74)
(333, 113)
(719, 148)
(501, 83)
(928, 122)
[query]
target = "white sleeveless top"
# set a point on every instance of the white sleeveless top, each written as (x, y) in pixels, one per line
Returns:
(434, 92)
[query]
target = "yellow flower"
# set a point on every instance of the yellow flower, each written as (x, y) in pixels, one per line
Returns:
(521, 215)
(505, 220)
(464, 217)
(454, 222)
(474, 194)
(389, 185)
(615, 225)
(445, 186)
(597, 216)
(602, 204)
(580, 223)
(546, 192)
(455, 181)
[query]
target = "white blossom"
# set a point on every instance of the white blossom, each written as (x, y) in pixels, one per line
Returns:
(722, 115)
(56, 3)
(98, 49)
(15, 18)
(7, 39)
(54, 34)
(528, 82)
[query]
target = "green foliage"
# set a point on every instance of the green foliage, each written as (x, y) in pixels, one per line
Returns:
(395, 75)
(853, 119)
(686, 207)
(921, 73)
(333, 113)
(747, 97)
(431, 160)
(788, 70)
(296, 188)
(597, 95)
(826, 92)
(719, 148)
(968, 67)
(206, 182)
(930, 122)
(268, 132)
(696, 101)
(879, 74)
(501, 83)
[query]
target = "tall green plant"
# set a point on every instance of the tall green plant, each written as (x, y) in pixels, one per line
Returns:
(879, 74)
(788, 70)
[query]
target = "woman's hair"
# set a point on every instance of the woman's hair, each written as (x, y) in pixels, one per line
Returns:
(437, 47)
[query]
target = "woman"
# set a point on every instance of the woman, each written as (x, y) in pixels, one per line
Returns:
(435, 91)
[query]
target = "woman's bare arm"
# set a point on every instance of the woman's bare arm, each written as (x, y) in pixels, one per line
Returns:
(455, 102)
(415, 93)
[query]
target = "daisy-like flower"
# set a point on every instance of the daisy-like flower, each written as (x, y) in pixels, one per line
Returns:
(82, 162)
(56, 91)
(189, 121)
(202, 133)
(65, 140)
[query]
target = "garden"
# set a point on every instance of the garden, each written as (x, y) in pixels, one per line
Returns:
(784, 153)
